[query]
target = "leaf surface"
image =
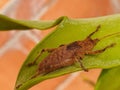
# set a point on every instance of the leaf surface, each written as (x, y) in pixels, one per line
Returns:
(7, 23)
(109, 79)
(69, 30)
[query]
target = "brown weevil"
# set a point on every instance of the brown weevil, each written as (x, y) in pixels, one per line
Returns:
(66, 55)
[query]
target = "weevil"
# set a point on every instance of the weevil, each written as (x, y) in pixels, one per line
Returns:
(66, 55)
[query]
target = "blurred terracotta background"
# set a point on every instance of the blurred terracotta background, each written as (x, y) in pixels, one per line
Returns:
(16, 45)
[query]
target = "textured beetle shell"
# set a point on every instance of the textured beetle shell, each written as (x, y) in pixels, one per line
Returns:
(65, 55)
(57, 59)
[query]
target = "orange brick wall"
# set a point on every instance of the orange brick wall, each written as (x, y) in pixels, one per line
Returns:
(16, 45)
(3, 2)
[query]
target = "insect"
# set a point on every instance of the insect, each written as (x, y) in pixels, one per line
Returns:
(66, 55)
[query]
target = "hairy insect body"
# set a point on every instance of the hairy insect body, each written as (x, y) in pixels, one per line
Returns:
(67, 55)
(56, 59)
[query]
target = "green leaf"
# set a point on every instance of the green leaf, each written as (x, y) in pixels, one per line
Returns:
(7, 23)
(70, 30)
(109, 79)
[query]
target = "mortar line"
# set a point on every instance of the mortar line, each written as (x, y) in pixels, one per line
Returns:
(116, 5)
(33, 37)
(45, 8)
(20, 33)
(7, 7)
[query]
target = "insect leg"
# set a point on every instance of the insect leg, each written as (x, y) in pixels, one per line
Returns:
(61, 45)
(18, 86)
(78, 59)
(48, 50)
(94, 31)
(42, 51)
(35, 75)
(99, 51)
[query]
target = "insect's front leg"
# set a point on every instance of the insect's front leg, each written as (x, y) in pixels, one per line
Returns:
(98, 27)
(99, 51)
(42, 51)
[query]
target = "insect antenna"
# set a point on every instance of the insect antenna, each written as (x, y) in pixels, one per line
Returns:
(97, 29)
(109, 35)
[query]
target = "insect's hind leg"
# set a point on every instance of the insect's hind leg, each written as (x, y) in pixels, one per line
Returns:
(98, 27)
(99, 51)
(78, 59)
(42, 51)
